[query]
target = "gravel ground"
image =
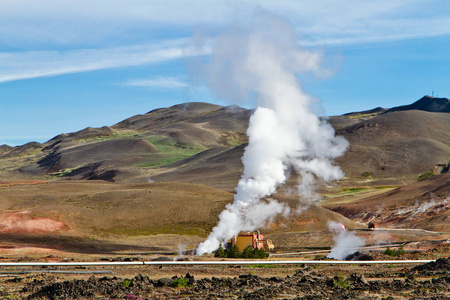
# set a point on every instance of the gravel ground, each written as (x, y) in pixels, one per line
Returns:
(426, 281)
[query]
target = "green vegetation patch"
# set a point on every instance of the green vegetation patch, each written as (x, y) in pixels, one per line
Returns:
(181, 283)
(233, 252)
(365, 116)
(117, 135)
(62, 173)
(384, 187)
(353, 190)
(397, 252)
(126, 283)
(367, 175)
(169, 152)
(425, 175)
(262, 266)
(339, 281)
(234, 138)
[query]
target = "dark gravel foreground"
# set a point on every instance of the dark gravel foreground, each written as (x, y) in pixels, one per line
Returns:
(428, 281)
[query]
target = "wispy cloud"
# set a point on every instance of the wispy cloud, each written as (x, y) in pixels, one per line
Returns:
(81, 35)
(321, 21)
(158, 82)
(32, 64)
(374, 29)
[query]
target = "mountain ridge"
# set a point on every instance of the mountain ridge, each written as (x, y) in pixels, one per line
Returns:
(426, 103)
(384, 143)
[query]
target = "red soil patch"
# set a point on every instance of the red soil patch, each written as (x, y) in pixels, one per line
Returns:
(26, 222)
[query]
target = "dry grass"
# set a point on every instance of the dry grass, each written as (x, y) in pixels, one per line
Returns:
(124, 212)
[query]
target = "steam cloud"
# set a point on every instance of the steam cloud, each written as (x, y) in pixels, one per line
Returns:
(345, 242)
(260, 61)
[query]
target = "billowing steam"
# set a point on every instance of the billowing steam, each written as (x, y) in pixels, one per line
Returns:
(345, 242)
(260, 61)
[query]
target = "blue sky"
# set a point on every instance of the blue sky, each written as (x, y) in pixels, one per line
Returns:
(67, 65)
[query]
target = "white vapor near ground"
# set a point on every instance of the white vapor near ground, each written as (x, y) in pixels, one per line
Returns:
(261, 61)
(345, 242)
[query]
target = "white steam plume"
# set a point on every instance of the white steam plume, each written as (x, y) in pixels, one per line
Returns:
(181, 250)
(345, 242)
(261, 61)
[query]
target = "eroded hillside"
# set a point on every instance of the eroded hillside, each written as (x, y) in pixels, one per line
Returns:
(204, 143)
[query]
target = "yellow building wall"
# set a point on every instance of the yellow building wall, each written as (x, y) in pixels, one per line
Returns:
(243, 242)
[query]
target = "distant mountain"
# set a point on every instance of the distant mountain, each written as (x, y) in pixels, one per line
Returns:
(132, 148)
(203, 143)
(4, 148)
(426, 103)
(377, 110)
(397, 145)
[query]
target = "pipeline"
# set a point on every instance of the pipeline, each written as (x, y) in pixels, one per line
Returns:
(221, 262)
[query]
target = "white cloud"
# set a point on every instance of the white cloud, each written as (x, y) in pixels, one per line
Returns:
(158, 82)
(322, 21)
(32, 64)
(79, 35)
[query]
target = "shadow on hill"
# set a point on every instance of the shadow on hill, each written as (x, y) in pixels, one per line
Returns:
(75, 244)
(426, 103)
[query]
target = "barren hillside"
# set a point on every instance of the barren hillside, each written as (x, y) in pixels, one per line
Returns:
(424, 204)
(204, 143)
(172, 170)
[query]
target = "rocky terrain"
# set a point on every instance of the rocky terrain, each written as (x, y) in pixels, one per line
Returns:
(426, 281)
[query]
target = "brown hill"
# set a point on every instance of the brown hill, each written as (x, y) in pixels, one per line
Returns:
(18, 151)
(194, 141)
(218, 167)
(177, 132)
(161, 117)
(426, 103)
(386, 149)
(66, 156)
(367, 113)
(131, 149)
(394, 147)
(4, 148)
(424, 204)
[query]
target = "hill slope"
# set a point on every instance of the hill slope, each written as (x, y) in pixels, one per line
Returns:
(426, 103)
(128, 150)
(99, 209)
(395, 146)
(424, 204)
(195, 142)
